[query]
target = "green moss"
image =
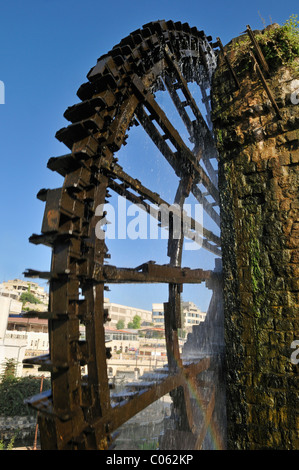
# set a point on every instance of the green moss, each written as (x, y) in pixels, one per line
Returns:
(253, 226)
(257, 276)
(219, 136)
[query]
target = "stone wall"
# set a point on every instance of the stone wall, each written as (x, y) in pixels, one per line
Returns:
(259, 188)
(19, 428)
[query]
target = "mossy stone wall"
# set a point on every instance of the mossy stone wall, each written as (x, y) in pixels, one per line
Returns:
(259, 189)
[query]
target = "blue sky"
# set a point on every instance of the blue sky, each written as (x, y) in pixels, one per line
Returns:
(46, 50)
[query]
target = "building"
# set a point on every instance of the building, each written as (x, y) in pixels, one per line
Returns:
(21, 337)
(11, 347)
(20, 323)
(158, 314)
(191, 315)
(24, 338)
(9, 305)
(122, 341)
(152, 342)
(18, 287)
(118, 312)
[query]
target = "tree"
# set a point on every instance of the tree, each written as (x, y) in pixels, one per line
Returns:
(29, 297)
(182, 333)
(9, 370)
(120, 325)
(136, 323)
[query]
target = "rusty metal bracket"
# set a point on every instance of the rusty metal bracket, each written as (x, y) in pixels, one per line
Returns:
(265, 85)
(257, 49)
(231, 69)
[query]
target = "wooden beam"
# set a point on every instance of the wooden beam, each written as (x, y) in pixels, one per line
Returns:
(119, 415)
(150, 273)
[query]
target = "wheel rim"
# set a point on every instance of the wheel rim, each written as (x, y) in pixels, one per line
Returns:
(77, 411)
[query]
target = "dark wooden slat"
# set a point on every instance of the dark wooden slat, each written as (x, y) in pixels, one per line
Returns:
(191, 102)
(94, 296)
(199, 127)
(46, 364)
(179, 105)
(200, 134)
(180, 169)
(185, 154)
(159, 141)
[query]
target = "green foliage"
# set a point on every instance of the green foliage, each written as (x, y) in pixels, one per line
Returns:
(182, 333)
(136, 323)
(280, 46)
(219, 136)
(150, 445)
(120, 325)
(13, 392)
(252, 225)
(8, 446)
(157, 334)
(9, 370)
(28, 297)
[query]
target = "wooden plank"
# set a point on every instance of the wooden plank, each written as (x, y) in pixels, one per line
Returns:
(120, 414)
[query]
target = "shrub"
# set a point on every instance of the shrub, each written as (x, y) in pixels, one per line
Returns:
(280, 46)
(13, 392)
(28, 297)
